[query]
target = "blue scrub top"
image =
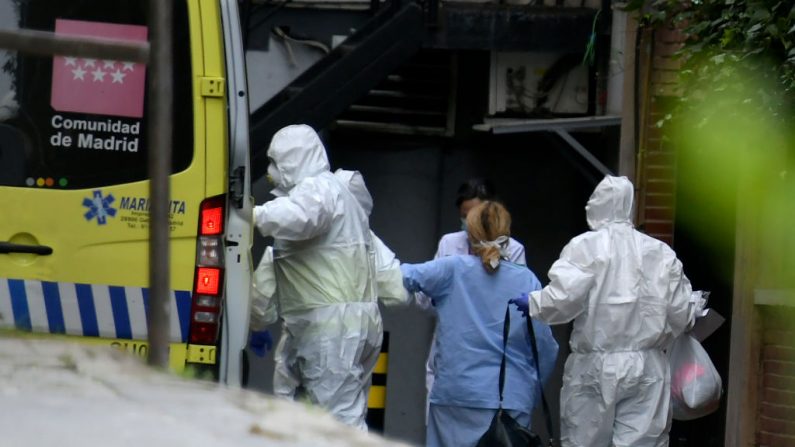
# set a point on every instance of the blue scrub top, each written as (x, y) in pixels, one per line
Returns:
(470, 304)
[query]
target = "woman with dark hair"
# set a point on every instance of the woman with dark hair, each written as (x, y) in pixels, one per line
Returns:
(470, 293)
(471, 194)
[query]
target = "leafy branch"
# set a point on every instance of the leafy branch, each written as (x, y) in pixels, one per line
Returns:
(729, 43)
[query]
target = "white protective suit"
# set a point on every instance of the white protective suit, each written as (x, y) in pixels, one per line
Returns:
(325, 279)
(263, 288)
(629, 298)
(389, 278)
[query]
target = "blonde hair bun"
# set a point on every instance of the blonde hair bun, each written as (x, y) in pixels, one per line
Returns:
(488, 231)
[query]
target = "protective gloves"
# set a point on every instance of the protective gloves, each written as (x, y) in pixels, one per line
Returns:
(260, 342)
(520, 302)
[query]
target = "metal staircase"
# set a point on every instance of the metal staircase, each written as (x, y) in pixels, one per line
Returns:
(330, 86)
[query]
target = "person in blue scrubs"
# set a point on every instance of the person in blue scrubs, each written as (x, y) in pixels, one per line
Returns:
(470, 293)
(470, 194)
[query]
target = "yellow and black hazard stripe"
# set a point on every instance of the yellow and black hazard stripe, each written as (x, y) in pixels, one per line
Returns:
(376, 402)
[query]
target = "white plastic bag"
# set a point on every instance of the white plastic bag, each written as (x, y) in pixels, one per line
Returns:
(696, 386)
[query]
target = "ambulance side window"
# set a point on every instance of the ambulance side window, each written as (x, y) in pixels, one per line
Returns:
(72, 123)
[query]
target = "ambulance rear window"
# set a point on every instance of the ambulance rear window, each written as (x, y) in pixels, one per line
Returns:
(70, 122)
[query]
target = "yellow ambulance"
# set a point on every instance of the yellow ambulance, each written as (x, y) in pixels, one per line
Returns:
(74, 195)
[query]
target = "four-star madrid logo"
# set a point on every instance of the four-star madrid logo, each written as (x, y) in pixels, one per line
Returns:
(101, 87)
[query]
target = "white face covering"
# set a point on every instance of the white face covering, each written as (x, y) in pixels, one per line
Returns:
(463, 224)
(274, 176)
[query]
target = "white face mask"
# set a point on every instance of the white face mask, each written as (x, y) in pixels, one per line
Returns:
(463, 224)
(274, 176)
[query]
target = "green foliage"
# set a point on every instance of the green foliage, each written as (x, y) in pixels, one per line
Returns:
(729, 42)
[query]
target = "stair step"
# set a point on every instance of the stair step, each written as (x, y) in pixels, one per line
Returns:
(394, 110)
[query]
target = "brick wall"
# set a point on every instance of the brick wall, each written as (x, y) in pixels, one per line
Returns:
(776, 415)
(658, 162)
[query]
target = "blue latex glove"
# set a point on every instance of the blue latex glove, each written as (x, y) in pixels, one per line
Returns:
(521, 303)
(260, 342)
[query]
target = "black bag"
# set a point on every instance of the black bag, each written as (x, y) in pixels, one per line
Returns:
(504, 431)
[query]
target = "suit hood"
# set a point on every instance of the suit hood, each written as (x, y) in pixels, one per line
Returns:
(355, 183)
(611, 202)
(298, 153)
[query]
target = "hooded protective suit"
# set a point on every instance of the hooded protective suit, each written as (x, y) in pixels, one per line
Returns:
(629, 298)
(389, 278)
(325, 279)
(263, 287)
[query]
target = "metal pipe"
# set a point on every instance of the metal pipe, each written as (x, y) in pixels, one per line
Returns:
(544, 125)
(159, 148)
(48, 44)
(617, 61)
(583, 152)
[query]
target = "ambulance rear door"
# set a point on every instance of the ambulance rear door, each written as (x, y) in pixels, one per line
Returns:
(239, 217)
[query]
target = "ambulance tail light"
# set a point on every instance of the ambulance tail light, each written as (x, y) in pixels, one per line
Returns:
(208, 285)
(212, 216)
(208, 281)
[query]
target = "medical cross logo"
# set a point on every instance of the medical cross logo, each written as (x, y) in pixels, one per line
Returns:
(102, 87)
(99, 207)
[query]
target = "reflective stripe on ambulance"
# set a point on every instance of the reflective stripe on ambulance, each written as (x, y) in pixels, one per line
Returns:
(89, 310)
